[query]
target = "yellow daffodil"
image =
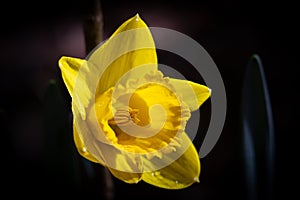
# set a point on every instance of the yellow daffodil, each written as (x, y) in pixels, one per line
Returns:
(128, 116)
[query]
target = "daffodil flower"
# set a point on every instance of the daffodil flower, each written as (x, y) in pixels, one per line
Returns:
(129, 117)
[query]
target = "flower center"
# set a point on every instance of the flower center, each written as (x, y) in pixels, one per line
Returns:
(145, 116)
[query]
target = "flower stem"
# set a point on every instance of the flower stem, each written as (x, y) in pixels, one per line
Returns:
(93, 25)
(93, 35)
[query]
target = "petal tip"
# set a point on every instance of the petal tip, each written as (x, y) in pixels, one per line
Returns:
(209, 90)
(137, 17)
(61, 60)
(196, 179)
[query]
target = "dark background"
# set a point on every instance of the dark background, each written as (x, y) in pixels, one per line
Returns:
(35, 35)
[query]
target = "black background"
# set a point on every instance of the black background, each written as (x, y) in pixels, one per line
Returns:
(34, 35)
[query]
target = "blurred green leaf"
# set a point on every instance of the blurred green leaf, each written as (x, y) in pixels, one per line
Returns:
(61, 157)
(258, 132)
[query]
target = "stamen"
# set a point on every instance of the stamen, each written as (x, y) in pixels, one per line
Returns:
(123, 116)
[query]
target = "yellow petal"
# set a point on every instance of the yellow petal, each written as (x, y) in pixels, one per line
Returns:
(126, 176)
(123, 165)
(181, 173)
(120, 161)
(69, 68)
(130, 46)
(132, 23)
(193, 94)
(81, 148)
(103, 111)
